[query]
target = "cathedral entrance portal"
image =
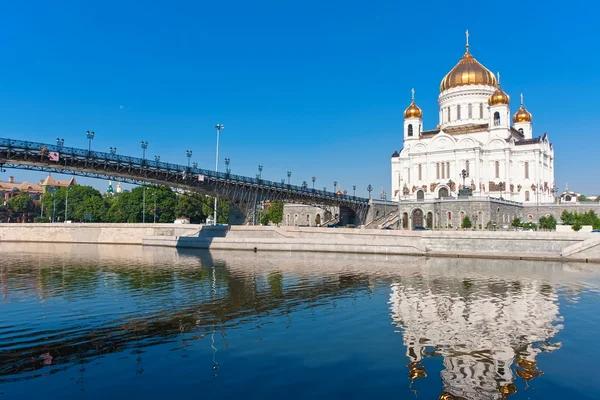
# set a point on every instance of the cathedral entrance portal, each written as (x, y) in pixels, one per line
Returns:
(429, 220)
(417, 218)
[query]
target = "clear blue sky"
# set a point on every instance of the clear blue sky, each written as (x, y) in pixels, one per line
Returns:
(314, 87)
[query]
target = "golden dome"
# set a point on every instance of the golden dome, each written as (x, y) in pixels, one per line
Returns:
(468, 71)
(498, 97)
(522, 115)
(413, 111)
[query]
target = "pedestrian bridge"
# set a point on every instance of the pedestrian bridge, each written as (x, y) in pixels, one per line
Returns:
(243, 192)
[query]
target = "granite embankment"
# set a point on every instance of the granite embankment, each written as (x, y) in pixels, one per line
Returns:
(554, 246)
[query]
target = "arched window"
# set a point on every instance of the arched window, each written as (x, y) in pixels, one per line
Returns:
(420, 172)
(470, 111)
(458, 112)
(481, 110)
(410, 130)
(449, 119)
(497, 168)
(526, 170)
(527, 195)
(467, 167)
(521, 130)
(496, 118)
(437, 171)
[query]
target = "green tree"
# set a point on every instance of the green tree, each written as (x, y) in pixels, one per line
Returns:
(93, 207)
(222, 209)
(265, 216)
(466, 222)
(21, 203)
(191, 206)
(582, 198)
(567, 218)
(576, 226)
(516, 222)
(276, 212)
(548, 223)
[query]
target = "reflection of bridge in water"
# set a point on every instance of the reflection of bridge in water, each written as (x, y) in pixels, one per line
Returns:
(487, 333)
(243, 191)
(227, 298)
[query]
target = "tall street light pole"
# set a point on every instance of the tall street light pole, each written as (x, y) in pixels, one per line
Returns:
(60, 143)
(144, 147)
(188, 153)
(369, 189)
(334, 186)
(260, 168)
(354, 190)
(314, 178)
(289, 175)
(219, 128)
(90, 136)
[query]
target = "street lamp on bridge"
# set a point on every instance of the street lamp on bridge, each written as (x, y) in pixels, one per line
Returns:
(369, 189)
(188, 153)
(334, 186)
(289, 175)
(304, 185)
(113, 150)
(282, 182)
(384, 198)
(144, 147)
(314, 178)
(219, 128)
(157, 158)
(90, 136)
(354, 190)
(260, 168)
(60, 143)
(194, 165)
(227, 169)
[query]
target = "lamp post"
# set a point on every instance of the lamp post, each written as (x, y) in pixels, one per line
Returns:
(67, 204)
(369, 189)
(334, 186)
(464, 175)
(384, 197)
(60, 143)
(354, 190)
(304, 185)
(282, 182)
(219, 128)
(227, 169)
(90, 136)
(144, 207)
(324, 188)
(188, 154)
(289, 174)
(194, 165)
(144, 147)
(113, 150)
(157, 158)
(314, 178)
(260, 168)
(154, 194)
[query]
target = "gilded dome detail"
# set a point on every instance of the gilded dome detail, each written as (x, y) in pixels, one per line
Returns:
(522, 115)
(499, 97)
(413, 111)
(468, 71)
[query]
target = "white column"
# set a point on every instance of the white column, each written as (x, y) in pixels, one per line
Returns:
(507, 171)
(477, 172)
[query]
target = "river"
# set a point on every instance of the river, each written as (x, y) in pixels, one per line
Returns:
(123, 322)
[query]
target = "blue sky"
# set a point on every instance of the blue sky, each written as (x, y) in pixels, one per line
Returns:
(314, 87)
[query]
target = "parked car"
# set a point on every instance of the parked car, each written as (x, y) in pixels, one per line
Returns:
(387, 228)
(419, 228)
(596, 230)
(332, 226)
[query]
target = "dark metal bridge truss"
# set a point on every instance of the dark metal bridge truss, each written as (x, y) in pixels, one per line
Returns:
(243, 191)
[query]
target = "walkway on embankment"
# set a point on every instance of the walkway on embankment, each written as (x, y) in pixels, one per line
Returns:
(542, 246)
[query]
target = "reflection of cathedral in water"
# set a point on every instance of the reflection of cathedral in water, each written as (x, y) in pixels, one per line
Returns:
(487, 333)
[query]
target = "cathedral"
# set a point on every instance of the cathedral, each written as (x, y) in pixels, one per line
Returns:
(476, 143)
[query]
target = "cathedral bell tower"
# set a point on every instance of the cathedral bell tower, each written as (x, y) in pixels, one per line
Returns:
(412, 120)
(522, 121)
(499, 116)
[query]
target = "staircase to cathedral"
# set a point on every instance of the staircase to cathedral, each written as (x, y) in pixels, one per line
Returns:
(384, 221)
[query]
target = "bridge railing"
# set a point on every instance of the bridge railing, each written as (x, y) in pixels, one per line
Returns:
(160, 166)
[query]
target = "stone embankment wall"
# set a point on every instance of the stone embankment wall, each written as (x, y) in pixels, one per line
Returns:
(548, 246)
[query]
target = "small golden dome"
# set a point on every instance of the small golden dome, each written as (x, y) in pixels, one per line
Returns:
(498, 97)
(468, 71)
(522, 115)
(413, 111)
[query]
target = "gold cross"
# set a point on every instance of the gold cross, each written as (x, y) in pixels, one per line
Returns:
(467, 34)
(413, 93)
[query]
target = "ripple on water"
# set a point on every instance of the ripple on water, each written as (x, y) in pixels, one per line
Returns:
(122, 320)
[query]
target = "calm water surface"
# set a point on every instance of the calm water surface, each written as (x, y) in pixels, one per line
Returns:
(122, 322)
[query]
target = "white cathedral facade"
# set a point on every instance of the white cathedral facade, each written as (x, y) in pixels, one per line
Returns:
(499, 154)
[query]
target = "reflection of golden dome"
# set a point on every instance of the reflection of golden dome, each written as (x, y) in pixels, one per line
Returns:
(498, 97)
(448, 396)
(413, 111)
(509, 388)
(522, 115)
(416, 371)
(468, 71)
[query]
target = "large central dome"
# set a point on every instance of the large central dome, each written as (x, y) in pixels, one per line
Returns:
(468, 71)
